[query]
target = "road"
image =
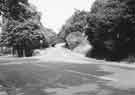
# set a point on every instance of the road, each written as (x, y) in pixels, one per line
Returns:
(58, 76)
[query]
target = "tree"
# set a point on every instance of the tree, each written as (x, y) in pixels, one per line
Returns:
(12, 8)
(111, 27)
(49, 35)
(77, 22)
(22, 29)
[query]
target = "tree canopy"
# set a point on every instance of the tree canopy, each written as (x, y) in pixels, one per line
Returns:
(23, 24)
(22, 27)
(77, 22)
(111, 26)
(13, 8)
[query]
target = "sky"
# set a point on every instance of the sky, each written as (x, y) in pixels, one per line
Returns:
(56, 12)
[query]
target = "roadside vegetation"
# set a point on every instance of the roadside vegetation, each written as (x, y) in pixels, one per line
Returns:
(21, 28)
(109, 27)
(106, 32)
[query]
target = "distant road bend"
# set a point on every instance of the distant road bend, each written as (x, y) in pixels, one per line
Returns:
(60, 54)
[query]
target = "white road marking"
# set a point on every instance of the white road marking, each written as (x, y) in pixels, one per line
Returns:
(72, 71)
(91, 75)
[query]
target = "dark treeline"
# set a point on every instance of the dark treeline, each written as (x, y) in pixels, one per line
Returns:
(22, 29)
(110, 27)
(111, 24)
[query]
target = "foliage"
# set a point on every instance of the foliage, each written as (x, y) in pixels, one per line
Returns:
(16, 32)
(22, 27)
(77, 22)
(12, 8)
(18, 29)
(73, 39)
(50, 36)
(111, 27)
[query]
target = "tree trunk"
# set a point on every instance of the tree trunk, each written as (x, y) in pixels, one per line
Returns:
(14, 51)
(28, 52)
(19, 52)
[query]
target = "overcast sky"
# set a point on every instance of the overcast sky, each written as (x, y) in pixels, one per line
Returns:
(56, 12)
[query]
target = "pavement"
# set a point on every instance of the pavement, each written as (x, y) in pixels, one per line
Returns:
(66, 73)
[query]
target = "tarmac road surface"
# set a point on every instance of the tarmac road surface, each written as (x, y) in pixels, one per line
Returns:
(79, 76)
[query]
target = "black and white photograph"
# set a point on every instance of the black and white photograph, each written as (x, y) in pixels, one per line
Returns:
(67, 47)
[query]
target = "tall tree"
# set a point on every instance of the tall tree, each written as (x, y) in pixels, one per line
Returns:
(111, 26)
(77, 22)
(22, 27)
(11, 8)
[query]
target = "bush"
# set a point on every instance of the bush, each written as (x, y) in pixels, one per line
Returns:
(74, 39)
